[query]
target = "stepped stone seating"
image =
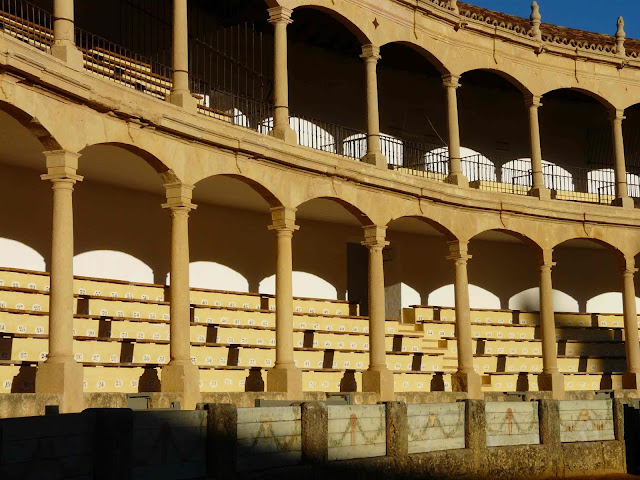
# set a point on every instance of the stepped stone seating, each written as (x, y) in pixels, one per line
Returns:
(121, 332)
(508, 349)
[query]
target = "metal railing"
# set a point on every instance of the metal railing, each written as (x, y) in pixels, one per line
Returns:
(328, 137)
(110, 60)
(418, 159)
(27, 23)
(514, 177)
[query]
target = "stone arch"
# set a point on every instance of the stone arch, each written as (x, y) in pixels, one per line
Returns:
(439, 227)
(153, 160)
(585, 91)
(33, 125)
(355, 24)
(350, 206)
(524, 238)
(509, 77)
(428, 55)
(257, 186)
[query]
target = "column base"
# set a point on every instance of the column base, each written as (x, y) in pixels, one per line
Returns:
(468, 382)
(379, 381)
(377, 159)
(458, 179)
(543, 193)
(63, 376)
(631, 381)
(286, 134)
(624, 202)
(185, 100)
(69, 54)
(552, 382)
(286, 379)
(184, 378)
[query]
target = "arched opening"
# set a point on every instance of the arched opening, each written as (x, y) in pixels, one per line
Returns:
(107, 264)
(228, 233)
(487, 94)
(417, 246)
(118, 204)
(504, 263)
(25, 234)
(575, 132)
(304, 285)
(328, 246)
(412, 106)
(518, 172)
(326, 78)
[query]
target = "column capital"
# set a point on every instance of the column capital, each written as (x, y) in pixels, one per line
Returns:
(284, 219)
(451, 81)
(179, 197)
(375, 236)
(616, 114)
(459, 251)
(546, 258)
(280, 15)
(533, 100)
(62, 165)
(370, 52)
(628, 265)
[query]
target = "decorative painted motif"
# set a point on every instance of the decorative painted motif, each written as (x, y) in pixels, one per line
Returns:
(512, 423)
(357, 431)
(269, 437)
(438, 426)
(586, 420)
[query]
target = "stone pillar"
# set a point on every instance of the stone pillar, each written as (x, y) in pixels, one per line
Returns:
(180, 94)
(280, 17)
(60, 373)
(622, 195)
(465, 379)
(377, 378)
(284, 376)
(538, 188)
(371, 55)
(64, 45)
(180, 375)
(631, 378)
(550, 379)
(456, 177)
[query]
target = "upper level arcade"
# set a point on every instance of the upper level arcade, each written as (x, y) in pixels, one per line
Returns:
(438, 89)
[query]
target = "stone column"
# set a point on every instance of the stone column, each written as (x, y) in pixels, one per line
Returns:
(180, 375)
(456, 177)
(622, 195)
(371, 55)
(465, 379)
(538, 188)
(378, 378)
(550, 379)
(280, 17)
(64, 45)
(60, 373)
(631, 379)
(180, 94)
(284, 376)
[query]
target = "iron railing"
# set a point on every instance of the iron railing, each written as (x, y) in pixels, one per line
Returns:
(110, 60)
(27, 23)
(418, 159)
(513, 177)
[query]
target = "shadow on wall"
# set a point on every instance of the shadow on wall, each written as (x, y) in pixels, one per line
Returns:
(529, 300)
